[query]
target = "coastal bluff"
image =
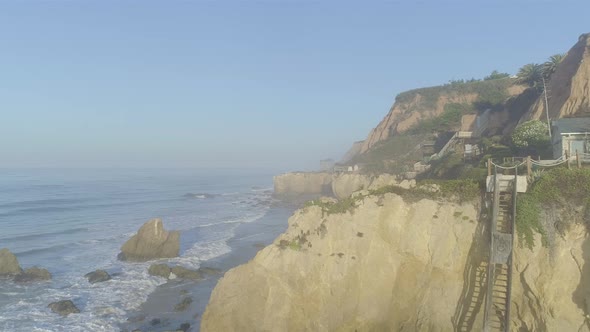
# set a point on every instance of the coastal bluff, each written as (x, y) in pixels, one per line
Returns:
(309, 185)
(396, 264)
(291, 185)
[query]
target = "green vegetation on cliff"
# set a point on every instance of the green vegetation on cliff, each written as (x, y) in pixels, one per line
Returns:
(490, 92)
(561, 190)
(457, 191)
(449, 120)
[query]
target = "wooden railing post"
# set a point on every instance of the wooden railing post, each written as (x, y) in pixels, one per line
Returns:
(529, 168)
(489, 166)
(578, 161)
(567, 159)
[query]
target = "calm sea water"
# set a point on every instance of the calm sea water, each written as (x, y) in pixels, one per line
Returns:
(74, 221)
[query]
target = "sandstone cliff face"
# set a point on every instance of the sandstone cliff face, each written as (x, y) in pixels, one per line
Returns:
(391, 265)
(569, 87)
(402, 116)
(551, 289)
(394, 265)
(340, 185)
(300, 183)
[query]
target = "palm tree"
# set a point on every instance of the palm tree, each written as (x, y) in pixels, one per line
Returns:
(531, 74)
(550, 66)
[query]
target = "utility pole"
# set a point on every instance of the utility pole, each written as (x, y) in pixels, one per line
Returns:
(546, 105)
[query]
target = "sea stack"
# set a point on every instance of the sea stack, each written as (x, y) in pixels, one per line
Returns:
(8, 264)
(151, 242)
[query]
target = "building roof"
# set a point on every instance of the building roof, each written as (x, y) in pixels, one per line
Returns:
(573, 125)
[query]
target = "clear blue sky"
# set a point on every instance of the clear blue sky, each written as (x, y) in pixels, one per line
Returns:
(276, 84)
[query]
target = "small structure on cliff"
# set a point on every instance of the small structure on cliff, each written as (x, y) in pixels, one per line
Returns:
(571, 136)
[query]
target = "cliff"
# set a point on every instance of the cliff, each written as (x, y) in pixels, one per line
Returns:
(396, 265)
(569, 88)
(412, 107)
(339, 185)
(301, 183)
(373, 270)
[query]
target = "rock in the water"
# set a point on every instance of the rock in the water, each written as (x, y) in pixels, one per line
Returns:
(151, 242)
(8, 263)
(33, 274)
(159, 270)
(98, 276)
(136, 319)
(184, 273)
(64, 307)
(184, 304)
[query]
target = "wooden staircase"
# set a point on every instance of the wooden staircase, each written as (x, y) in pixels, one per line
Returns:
(497, 305)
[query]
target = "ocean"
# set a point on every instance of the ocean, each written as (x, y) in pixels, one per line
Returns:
(74, 221)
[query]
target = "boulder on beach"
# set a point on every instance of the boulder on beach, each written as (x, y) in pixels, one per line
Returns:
(64, 307)
(98, 276)
(159, 270)
(33, 274)
(151, 242)
(8, 263)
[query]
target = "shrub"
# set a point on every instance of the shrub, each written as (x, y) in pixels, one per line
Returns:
(532, 133)
(559, 188)
(496, 75)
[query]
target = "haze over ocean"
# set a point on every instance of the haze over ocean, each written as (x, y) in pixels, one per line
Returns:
(278, 84)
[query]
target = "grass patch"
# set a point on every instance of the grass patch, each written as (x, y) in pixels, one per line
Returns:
(344, 205)
(490, 93)
(462, 190)
(449, 120)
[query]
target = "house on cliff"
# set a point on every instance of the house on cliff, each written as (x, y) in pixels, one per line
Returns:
(571, 136)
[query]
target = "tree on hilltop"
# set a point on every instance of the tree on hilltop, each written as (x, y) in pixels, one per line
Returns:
(550, 65)
(531, 74)
(496, 75)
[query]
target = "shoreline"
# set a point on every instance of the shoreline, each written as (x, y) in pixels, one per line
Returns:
(158, 313)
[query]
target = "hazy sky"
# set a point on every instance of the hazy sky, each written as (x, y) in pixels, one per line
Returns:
(277, 84)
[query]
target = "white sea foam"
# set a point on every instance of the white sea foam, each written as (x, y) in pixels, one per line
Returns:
(103, 229)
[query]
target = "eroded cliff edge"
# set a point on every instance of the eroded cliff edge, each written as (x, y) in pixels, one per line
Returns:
(397, 265)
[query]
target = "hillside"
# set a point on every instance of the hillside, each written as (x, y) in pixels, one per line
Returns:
(460, 105)
(568, 88)
(419, 109)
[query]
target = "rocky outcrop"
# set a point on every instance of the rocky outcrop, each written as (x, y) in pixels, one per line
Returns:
(389, 265)
(569, 86)
(159, 270)
(33, 274)
(302, 183)
(395, 265)
(98, 276)
(8, 263)
(64, 308)
(151, 242)
(184, 273)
